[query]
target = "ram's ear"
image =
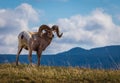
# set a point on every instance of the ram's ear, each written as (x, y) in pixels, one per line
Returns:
(55, 28)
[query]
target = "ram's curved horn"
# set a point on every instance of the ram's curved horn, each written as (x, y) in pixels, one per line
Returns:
(43, 27)
(56, 29)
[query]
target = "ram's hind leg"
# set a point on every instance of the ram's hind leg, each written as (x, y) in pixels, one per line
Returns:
(18, 53)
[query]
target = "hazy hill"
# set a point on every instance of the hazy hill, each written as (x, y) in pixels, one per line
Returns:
(103, 57)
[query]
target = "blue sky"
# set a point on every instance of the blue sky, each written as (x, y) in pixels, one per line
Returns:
(85, 23)
(55, 9)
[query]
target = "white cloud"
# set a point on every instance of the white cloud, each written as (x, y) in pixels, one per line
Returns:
(26, 12)
(94, 30)
(12, 22)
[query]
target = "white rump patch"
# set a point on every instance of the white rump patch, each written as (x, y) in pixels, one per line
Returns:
(25, 34)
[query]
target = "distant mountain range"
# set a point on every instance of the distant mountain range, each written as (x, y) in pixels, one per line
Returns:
(104, 57)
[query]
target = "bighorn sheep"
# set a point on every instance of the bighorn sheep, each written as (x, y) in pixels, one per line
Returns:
(36, 41)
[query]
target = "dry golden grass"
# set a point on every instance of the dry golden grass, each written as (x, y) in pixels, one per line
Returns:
(9, 73)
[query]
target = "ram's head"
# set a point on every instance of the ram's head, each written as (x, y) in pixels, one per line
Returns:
(49, 31)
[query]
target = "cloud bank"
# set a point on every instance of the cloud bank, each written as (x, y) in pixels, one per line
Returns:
(95, 29)
(12, 21)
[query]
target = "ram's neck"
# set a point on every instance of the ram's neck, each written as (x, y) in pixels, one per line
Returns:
(44, 36)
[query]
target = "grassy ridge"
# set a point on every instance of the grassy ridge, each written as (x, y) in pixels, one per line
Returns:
(9, 73)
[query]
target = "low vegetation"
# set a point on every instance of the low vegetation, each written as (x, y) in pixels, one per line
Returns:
(9, 73)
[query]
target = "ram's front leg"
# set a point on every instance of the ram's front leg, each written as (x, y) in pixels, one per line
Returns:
(39, 52)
